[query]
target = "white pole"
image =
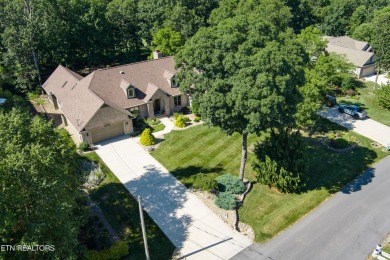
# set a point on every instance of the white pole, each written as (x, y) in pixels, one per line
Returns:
(141, 214)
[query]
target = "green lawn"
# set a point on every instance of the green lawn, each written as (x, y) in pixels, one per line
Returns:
(368, 101)
(207, 150)
(121, 211)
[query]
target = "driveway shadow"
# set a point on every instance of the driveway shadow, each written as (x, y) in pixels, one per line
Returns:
(163, 198)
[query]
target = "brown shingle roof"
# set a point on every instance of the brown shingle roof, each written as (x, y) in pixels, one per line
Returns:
(107, 82)
(356, 57)
(347, 42)
(76, 101)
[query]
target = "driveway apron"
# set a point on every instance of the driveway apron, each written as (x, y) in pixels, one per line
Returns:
(187, 222)
(369, 128)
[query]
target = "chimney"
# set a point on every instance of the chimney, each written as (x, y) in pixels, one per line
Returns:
(157, 55)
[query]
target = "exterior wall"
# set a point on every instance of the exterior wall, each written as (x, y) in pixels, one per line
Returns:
(143, 111)
(76, 136)
(104, 117)
(185, 101)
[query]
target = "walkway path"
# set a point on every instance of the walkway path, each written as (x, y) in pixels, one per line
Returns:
(187, 222)
(367, 127)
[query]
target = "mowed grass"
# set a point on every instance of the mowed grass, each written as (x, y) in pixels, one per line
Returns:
(121, 211)
(207, 150)
(367, 100)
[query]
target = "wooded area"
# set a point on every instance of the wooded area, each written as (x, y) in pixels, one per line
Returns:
(37, 35)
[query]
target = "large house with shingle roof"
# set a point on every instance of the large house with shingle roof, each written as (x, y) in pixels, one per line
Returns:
(103, 104)
(359, 53)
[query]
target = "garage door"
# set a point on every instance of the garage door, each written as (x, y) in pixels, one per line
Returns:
(107, 132)
(366, 71)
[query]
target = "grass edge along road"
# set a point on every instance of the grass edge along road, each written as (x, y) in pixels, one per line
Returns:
(207, 150)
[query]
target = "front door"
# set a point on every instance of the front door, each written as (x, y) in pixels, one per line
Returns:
(157, 106)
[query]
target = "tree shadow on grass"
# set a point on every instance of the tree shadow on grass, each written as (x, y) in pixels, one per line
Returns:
(187, 174)
(334, 170)
(121, 211)
(163, 198)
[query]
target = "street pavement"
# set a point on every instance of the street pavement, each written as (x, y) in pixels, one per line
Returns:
(347, 226)
(367, 127)
(186, 221)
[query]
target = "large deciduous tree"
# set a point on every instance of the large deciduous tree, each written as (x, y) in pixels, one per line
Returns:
(38, 185)
(244, 75)
(381, 41)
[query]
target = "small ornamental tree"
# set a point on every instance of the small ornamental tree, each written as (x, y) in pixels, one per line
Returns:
(281, 162)
(226, 200)
(180, 121)
(147, 138)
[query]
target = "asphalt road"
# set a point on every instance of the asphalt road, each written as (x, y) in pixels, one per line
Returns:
(347, 226)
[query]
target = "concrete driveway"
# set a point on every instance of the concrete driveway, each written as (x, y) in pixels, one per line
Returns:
(367, 127)
(382, 80)
(187, 222)
(347, 226)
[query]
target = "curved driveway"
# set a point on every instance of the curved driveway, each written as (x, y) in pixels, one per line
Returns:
(187, 222)
(347, 226)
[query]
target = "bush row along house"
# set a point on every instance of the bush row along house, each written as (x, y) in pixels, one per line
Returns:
(103, 104)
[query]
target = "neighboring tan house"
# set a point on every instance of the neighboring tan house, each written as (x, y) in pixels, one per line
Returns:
(359, 53)
(102, 105)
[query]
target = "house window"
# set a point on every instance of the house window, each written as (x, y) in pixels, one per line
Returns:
(175, 82)
(177, 101)
(134, 111)
(130, 92)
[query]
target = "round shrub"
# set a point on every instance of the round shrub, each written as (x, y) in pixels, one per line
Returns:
(147, 138)
(226, 200)
(205, 182)
(83, 146)
(339, 143)
(197, 119)
(230, 183)
(180, 122)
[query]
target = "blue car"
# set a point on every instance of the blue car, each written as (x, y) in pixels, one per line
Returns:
(353, 110)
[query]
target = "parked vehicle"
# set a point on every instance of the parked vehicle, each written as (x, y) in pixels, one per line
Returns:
(353, 110)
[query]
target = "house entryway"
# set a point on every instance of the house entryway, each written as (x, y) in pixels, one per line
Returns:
(158, 106)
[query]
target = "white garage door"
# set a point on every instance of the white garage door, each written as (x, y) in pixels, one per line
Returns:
(107, 132)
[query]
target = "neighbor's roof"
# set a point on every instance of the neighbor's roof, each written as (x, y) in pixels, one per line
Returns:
(67, 86)
(347, 42)
(2, 101)
(356, 57)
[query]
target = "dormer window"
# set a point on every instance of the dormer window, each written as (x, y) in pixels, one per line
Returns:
(130, 92)
(174, 82)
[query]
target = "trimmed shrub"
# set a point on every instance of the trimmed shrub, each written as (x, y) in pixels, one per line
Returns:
(339, 143)
(180, 122)
(186, 119)
(230, 183)
(226, 200)
(92, 174)
(197, 119)
(205, 182)
(186, 110)
(176, 115)
(83, 146)
(348, 83)
(351, 92)
(117, 251)
(147, 138)
(195, 107)
(152, 122)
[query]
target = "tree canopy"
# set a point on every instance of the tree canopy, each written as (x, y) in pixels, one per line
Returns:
(244, 74)
(40, 189)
